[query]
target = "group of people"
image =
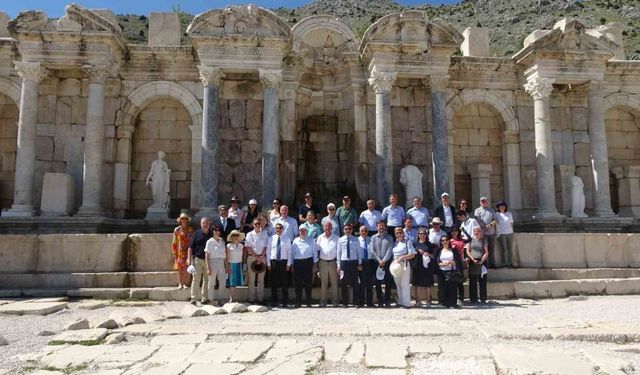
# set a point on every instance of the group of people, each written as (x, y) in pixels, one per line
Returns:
(373, 251)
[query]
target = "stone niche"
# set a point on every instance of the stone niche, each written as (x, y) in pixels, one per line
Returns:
(162, 126)
(8, 138)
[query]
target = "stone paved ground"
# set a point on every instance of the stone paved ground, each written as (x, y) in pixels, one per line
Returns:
(578, 335)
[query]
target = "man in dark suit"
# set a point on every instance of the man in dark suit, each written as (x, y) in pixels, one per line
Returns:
(223, 221)
(446, 213)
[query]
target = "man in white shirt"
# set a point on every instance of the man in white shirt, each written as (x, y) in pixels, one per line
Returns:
(278, 250)
(289, 224)
(327, 244)
(256, 245)
(370, 217)
(466, 225)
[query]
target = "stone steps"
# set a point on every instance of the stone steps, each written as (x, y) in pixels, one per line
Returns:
(497, 290)
(169, 278)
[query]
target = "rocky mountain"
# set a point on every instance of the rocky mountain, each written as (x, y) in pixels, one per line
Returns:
(510, 21)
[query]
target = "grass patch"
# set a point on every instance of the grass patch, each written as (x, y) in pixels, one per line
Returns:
(83, 343)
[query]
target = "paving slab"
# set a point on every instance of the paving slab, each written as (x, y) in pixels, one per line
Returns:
(170, 314)
(289, 347)
(140, 329)
(521, 359)
(105, 323)
(454, 365)
(151, 316)
(463, 349)
(184, 329)
(125, 354)
(178, 339)
(340, 330)
(249, 351)
(149, 368)
(92, 305)
(125, 318)
(629, 348)
(78, 324)
(300, 363)
(30, 308)
(213, 352)
(424, 348)
(82, 336)
(334, 351)
(115, 338)
(381, 354)
(278, 329)
(356, 353)
(74, 355)
(48, 299)
(213, 310)
(172, 353)
(191, 311)
(214, 368)
(608, 363)
(3, 341)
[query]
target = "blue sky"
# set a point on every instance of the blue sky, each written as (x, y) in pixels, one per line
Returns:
(55, 8)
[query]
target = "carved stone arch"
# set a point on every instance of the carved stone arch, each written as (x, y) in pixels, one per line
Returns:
(410, 26)
(237, 20)
(503, 106)
(10, 89)
(136, 102)
(313, 23)
(621, 100)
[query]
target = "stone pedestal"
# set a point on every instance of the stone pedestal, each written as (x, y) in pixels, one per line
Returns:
(540, 89)
(210, 167)
(480, 181)
(439, 136)
(57, 195)
(598, 150)
(613, 31)
(32, 74)
(628, 190)
(94, 143)
(476, 42)
(382, 83)
(157, 214)
(271, 80)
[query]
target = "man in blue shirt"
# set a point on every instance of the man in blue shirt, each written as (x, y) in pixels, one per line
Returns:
(370, 217)
(393, 214)
(303, 258)
(418, 214)
(349, 260)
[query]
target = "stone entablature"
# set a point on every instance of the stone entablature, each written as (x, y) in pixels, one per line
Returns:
(276, 111)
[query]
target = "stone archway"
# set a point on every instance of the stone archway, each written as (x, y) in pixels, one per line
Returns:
(137, 101)
(493, 122)
(9, 104)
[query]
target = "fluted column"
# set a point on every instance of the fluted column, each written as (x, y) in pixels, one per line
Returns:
(382, 83)
(439, 135)
(271, 80)
(32, 74)
(210, 167)
(540, 89)
(598, 151)
(94, 143)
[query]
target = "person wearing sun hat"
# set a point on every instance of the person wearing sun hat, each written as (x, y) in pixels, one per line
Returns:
(180, 249)
(235, 249)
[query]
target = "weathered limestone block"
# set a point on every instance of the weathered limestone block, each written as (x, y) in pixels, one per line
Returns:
(529, 247)
(532, 289)
(563, 250)
(57, 194)
(476, 41)
(80, 252)
(20, 258)
(4, 20)
(606, 250)
(149, 252)
(632, 250)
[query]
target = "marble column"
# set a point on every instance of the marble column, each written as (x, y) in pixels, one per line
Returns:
(382, 83)
(210, 167)
(480, 181)
(598, 151)
(540, 89)
(122, 171)
(94, 143)
(32, 74)
(271, 80)
(511, 169)
(360, 162)
(439, 136)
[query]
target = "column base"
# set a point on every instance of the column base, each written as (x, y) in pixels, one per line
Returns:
(547, 214)
(157, 214)
(605, 214)
(209, 212)
(20, 210)
(85, 211)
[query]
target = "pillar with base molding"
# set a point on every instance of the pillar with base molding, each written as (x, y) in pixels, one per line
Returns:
(440, 135)
(271, 80)
(382, 83)
(598, 151)
(540, 89)
(628, 190)
(480, 181)
(32, 74)
(210, 167)
(94, 143)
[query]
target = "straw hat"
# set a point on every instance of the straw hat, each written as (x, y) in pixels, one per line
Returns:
(235, 232)
(396, 269)
(258, 267)
(183, 216)
(436, 220)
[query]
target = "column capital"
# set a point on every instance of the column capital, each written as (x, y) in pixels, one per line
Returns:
(594, 88)
(382, 81)
(510, 136)
(31, 71)
(437, 82)
(480, 170)
(270, 79)
(97, 73)
(539, 88)
(210, 75)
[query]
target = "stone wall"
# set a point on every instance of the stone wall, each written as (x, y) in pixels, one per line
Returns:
(162, 126)
(623, 137)
(477, 140)
(8, 138)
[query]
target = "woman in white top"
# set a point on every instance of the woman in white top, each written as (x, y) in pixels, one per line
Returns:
(505, 232)
(402, 251)
(234, 262)
(449, 261)
(273, 215)
(215, 258)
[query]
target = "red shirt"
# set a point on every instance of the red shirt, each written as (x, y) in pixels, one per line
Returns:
(458, 245)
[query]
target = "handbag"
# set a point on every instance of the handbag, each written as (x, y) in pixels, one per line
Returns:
(456, 276)
(475, 269)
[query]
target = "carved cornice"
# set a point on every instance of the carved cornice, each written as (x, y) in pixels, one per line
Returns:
(382, 81)
(210, 75)
(31, 71)
(539, 88)
(271, 79)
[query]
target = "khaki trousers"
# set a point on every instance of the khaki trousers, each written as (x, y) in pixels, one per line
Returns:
(328, 273)
(218, 272)
(251, 277)
(200, 282)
